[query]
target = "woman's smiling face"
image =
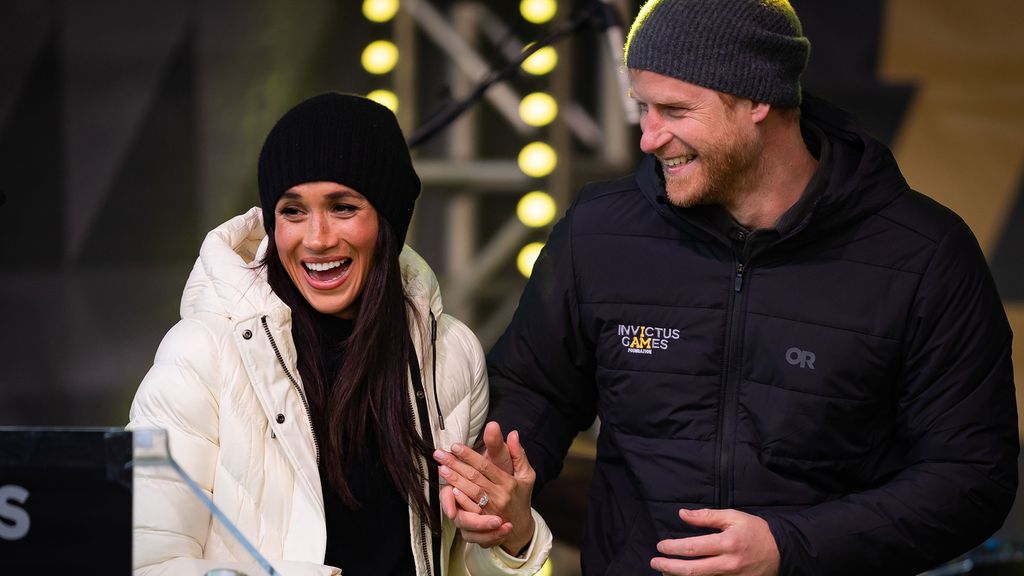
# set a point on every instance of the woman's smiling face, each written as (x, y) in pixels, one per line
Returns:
(326, 234)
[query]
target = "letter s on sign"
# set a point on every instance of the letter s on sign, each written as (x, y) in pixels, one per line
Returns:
(14, 520)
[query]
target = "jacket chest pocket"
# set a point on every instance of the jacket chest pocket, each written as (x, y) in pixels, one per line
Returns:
(659, 369)
(814, 394)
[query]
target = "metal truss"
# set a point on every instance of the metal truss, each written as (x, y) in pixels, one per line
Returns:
(474, 264)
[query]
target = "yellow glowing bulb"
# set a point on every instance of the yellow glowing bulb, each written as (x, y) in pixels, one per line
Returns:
(380, 57)
(386, 98)
(537, 159)
(536, 209)
(528, 257)
(541, 62)
(379, 11)
(538, 109)
(538, 11)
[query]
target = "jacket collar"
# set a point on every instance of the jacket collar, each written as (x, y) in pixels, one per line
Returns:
(862, 176)
(228, 280)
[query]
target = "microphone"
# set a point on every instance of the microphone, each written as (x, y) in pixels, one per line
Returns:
(607, 19)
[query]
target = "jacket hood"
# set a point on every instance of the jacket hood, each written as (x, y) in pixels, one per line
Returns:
(863, 175)
(228, 279)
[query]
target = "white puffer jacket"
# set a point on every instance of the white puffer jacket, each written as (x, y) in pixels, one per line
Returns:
(237, 423)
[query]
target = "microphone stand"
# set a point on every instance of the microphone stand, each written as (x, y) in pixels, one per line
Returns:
(591, 15)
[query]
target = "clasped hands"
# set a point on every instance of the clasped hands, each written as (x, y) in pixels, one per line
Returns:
(488, 495)
(743, 544)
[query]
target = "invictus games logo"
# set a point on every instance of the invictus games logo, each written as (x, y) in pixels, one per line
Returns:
(646, 339)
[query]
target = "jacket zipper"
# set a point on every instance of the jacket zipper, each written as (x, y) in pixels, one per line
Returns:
(419, 467)
(421, 421)
(740, 269)
(729, 397)
(316, 446)
(302, 396)
(433, 363)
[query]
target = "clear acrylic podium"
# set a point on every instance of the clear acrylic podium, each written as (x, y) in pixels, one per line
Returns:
(66, 499)
(151, 448)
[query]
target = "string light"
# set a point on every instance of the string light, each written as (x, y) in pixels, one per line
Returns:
(386, 98)
(536, 209)
(538, 109)
(537, 159)
(540, 62)
(380, 57)
(538, 11)
(380, 11)
(528, 257)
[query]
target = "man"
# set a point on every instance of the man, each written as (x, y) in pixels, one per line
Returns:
(800, 365)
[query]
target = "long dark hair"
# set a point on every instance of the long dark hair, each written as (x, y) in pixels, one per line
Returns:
(370, 394)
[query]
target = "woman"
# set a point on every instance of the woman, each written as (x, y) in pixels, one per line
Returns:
(313, 373)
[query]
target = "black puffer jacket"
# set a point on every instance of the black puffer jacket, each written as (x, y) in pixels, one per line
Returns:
(847, 378)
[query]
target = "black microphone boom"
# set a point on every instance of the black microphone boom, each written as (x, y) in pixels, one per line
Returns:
(590, 15)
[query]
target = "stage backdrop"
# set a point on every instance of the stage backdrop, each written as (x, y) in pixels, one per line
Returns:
(128, 128)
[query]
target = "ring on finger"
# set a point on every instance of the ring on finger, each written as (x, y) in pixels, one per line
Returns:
(483, 500)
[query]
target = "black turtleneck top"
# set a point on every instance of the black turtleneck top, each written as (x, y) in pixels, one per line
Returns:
(373, 538)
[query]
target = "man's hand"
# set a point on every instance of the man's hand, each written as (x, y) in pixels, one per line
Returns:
(744, 545)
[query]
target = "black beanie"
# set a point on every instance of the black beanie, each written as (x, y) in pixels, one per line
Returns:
(346, 139)
(749, 48)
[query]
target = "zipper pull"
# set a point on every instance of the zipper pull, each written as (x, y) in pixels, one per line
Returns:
(740, 269)
(433, 371)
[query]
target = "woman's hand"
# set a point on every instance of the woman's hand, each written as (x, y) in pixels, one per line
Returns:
(488, 495)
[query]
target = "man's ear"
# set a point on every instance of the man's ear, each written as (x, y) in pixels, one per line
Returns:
(759, 111)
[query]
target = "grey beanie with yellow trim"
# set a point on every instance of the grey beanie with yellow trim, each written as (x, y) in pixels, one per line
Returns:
(754, 49)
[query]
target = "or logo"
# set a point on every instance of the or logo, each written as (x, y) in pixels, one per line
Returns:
(802, 358)
(646, 339)
(14, 520)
